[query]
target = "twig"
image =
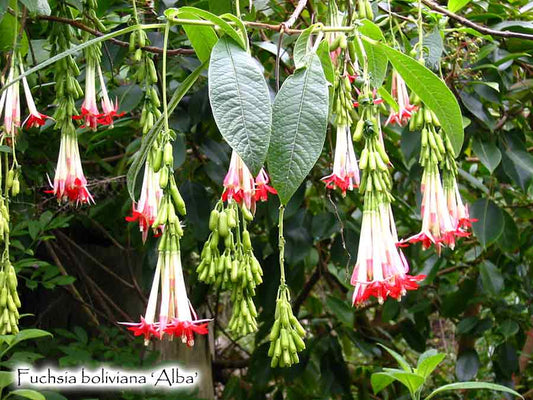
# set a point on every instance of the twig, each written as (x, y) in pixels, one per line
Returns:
(96, 261)
(71, 287)
(473, 25)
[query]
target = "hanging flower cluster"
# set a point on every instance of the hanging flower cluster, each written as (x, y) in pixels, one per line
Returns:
(70, 184)
(444, 216)
(345, 175)
(381, 270)
(400, 94)
(146, 209)
(168, 297)
(237, 268)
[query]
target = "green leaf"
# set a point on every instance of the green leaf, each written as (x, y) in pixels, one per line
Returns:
(380, 380)
(173, 13)
(433, 92)
(7, 29)
(325, 58)
(341, 310)
(151, 136)
(509, 240)
(302, 48)
(299, 122)
(489, 154)
(377, 58)
(490, 222)
(491, 277)
(6, 378)
(518, 165)
(23, 335)
(220, 6)
(428, 361)
(456, 5)
(27, 394)
(202, 38)
(467, 365)
(39, 7)
(385, 95)
(401, 361)
(410, 380)
(473, 385)
(240, 102)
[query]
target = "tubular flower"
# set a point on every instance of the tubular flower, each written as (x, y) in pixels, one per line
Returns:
(69, 182)
(400, 94)
(35, 119)
(345, 174)
(146, 210)
(262, 188)
(459, 214)
(110, 109)
(10, 101)
(90, 114)
(176, 315)
(239, 183)
(437, 227)
(381, 269)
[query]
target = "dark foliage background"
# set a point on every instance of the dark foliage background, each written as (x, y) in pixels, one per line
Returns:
(83, 269)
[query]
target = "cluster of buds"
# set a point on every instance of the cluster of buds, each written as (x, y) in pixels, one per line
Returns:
(287, 334)
(169, 294)
(381, 270)
(236, 268)
(345, 174)
(444, 216)
(9, 298)
(364, 9)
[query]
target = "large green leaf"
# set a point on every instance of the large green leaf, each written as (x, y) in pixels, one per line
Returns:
(39, 7)
(151, 136)
(302, 48)
(377, 58)
(173, 13)
(399, 359)
(27, 394)
(473, 385)
(490, 222)
(6, 378)
(202, 38)
(380, 380)
(433, 92)
(489, 154)
(299, 122)
(456, 5)
(467, 365)
(428, 361)
(410, 380)
(240, 101)
(518, 165)
(491, 277)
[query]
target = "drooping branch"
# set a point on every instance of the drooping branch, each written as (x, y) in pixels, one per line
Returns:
(480, 28)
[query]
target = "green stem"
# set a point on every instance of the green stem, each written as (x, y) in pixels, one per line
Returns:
(238, 9)
(420, 31)
(281, 243)
(164, 78)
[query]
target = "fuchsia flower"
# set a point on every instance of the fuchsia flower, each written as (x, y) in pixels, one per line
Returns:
(437, 226)
(145, 211)
(176, 315)
(89, 108)
(35, 119)
(262, 188)
(345, 174)
(400, 94)
(239, 184)
(10, 104)
(69, 182)
(459, 214)
(110, 109)
(381, 269)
